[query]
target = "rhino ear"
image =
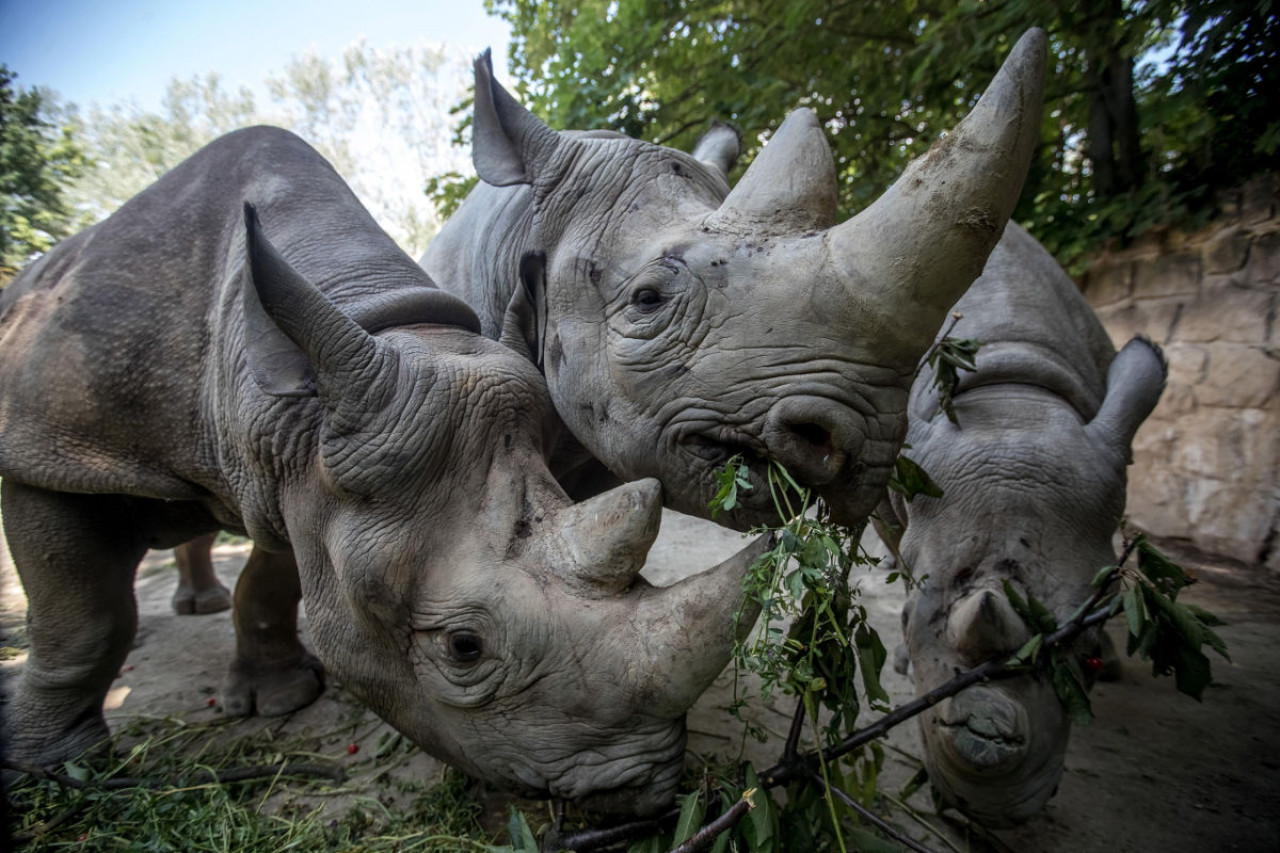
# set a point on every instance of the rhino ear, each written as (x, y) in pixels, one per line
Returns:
(509, 144)
(1135, 382)
(524, 326)
(292, 331)
(719, 148)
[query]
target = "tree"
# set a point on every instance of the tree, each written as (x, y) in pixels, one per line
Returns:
(381, 118)
(1143, 95)
(38, 159)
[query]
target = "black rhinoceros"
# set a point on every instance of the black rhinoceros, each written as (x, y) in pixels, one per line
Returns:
(1033, 479)
(185, 366)
(679, 323)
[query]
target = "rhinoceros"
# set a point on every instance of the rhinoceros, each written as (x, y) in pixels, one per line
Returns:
(1033, 479)
(679, 324)
(287, 372)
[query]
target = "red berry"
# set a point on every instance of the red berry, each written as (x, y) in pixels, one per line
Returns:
(1093, 664)
(211, 701)
(353, 748)
(82, 837)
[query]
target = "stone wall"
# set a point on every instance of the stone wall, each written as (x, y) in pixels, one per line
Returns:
(1207, 463)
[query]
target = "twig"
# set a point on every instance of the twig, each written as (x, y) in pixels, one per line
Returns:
(915, 815)
(792, 748)
(956, 317)
(703, 837)
(875, 820)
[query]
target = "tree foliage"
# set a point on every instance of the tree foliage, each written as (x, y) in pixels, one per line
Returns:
(1151, 104)
(380, 116)
(38, 159)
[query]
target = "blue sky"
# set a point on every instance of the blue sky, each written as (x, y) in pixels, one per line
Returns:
(115, 50)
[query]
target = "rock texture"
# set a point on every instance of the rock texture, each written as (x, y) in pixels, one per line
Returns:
(1207, 462)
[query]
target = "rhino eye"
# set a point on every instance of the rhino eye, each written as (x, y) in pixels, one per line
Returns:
(465, 646)
(647, 300)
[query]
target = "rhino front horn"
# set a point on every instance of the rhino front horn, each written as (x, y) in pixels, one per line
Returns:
(916, 250)
(984, 625)
(685, 633)
(606, 539)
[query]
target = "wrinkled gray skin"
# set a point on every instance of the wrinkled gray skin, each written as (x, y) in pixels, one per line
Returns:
(679, 323)
(180, 368)
(1034, 487)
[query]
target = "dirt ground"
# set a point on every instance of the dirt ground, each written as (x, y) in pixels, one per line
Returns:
(1155, 772)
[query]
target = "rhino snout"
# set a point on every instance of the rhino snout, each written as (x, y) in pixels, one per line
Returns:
(984, 730)
(814, 437)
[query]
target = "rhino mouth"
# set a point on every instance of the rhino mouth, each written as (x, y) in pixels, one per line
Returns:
(983, 742)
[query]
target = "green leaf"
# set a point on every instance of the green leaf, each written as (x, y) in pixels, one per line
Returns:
(761, 818)
(1163, 573)
(1134, 613)
(910, 480)
(76, 771)
(1100, 579)
(522, 837)
(692, 811)
(871, 658)
(1069, 689)
(1026, 656)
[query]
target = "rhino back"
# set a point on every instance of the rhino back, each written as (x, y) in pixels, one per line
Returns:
(118, 348)
(1035, 327)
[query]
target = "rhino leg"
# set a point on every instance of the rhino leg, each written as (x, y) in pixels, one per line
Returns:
(272, 673)
(199, 590)
(76, 555)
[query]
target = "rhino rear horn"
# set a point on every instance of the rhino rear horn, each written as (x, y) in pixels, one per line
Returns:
(916, 249)
(292, 331)
(1135, 381)
(790, 186)
(719, 147)
(509, 144)
(608, 537)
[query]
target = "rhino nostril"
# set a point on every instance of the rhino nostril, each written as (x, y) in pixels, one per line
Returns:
(813, 437)
(813, 434)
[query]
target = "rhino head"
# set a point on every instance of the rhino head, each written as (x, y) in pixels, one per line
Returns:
(1032, 495)
(449, 582)
(679, 323)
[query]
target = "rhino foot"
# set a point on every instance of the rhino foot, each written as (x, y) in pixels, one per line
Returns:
(272, 690)
(30, 742)
(188, 601)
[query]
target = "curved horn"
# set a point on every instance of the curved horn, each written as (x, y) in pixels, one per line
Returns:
(291, 328)
(790, 186)
(607, 538)
(686, 632)
(916, 250)
(984, 625)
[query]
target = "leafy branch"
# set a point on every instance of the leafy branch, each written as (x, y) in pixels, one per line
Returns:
(1161, 629)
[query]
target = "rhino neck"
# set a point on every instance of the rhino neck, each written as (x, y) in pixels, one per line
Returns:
(1035, 326)
(477, 253)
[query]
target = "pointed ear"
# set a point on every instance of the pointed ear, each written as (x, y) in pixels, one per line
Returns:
(524, 326)
(509, 144)
(277, 364)
(293, 332)
(719, 148)
(1135, 382)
